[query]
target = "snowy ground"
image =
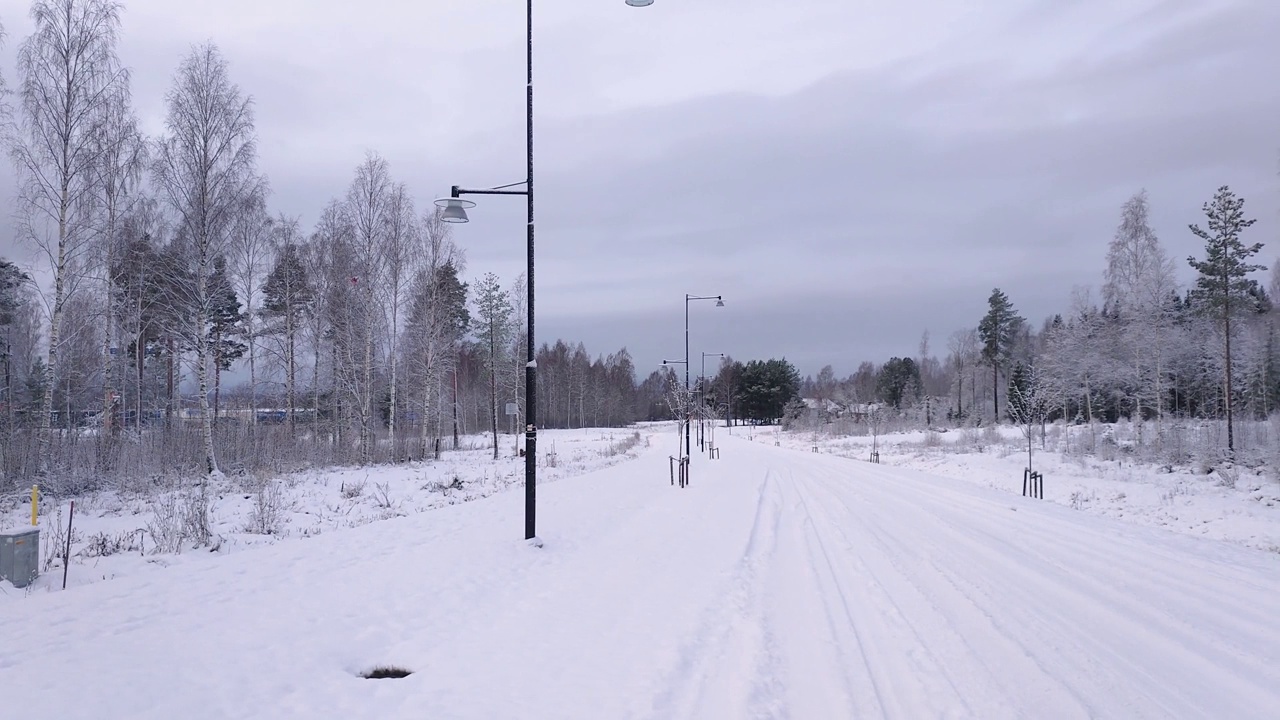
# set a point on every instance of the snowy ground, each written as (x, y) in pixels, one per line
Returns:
(1238, 505)
(780, 584)
(113, 533)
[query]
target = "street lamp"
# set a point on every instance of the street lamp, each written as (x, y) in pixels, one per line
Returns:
(719, 303)
(454, 210)
(702, 385)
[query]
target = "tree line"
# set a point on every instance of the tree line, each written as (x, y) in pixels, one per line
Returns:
(362, 339)
(1146, 350)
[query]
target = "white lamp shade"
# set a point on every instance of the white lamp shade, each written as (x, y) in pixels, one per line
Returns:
(455, 209)
(639, 3)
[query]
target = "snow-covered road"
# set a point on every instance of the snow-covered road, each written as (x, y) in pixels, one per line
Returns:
(779, 584)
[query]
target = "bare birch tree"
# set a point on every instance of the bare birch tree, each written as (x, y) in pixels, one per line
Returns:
(205, 168)
(514, 383)
(964, 347)
(70, 75)
(437, 318)
(122, 156)
(400, 255)
(250, 251)
(320, 257)
(368, 210)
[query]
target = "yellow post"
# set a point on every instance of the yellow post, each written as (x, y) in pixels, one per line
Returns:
(35, 500)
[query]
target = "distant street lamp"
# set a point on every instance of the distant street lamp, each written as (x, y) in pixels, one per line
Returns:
(688, 446)
(454, 210)
(702, 385)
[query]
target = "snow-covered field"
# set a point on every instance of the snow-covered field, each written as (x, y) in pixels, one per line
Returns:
(114, 534)
(1240, 505)
(780, 584)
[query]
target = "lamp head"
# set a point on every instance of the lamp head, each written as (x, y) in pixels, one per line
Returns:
(455, 209)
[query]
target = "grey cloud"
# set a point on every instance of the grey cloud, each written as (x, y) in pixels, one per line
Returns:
(846, 178)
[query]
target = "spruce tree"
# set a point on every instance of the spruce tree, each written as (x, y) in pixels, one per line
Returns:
(1224, 288)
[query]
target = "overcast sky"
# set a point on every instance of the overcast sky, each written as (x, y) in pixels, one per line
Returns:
(847, 173)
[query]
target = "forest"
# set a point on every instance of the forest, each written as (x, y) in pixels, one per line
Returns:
(1146, 350)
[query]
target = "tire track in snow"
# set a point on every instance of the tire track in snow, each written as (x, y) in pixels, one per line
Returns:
(1018, 610)
(843, 624)
(918, 683)
(1034, 584)
(729, 667)
(1147, 601)
(1140, 563)
(998, 669)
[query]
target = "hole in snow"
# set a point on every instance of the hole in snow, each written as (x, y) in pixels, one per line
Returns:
(385, 671)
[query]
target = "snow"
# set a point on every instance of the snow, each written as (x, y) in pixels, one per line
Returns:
(113, 530)
(1114, 484)
(781, 583)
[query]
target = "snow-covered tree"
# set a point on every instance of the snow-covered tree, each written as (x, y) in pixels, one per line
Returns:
(249, 252)
(1139, 285)
(70, 76)
(205, 168)
(401, 255)
(368, 213)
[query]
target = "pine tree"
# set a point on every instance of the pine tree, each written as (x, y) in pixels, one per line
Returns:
(493, 332)
(1224, 288)
(226, 326)
(898, 381)
(765, 388)
(37, 389)
(437, 321)
(998, 330)
(287, 299)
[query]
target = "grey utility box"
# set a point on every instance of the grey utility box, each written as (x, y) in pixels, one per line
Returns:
(20, 556)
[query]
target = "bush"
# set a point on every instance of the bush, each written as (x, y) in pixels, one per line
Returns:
(621, 447)
(104, 545)
(352, 491)
(267, 516)
(178, 517)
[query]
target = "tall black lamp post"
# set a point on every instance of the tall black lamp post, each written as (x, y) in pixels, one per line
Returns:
(455, 211)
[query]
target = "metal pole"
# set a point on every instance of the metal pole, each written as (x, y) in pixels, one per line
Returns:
(702, 402)
(530, 368)
(687, 388)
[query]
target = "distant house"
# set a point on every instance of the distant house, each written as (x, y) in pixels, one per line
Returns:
(860, 412)
(825, 409)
